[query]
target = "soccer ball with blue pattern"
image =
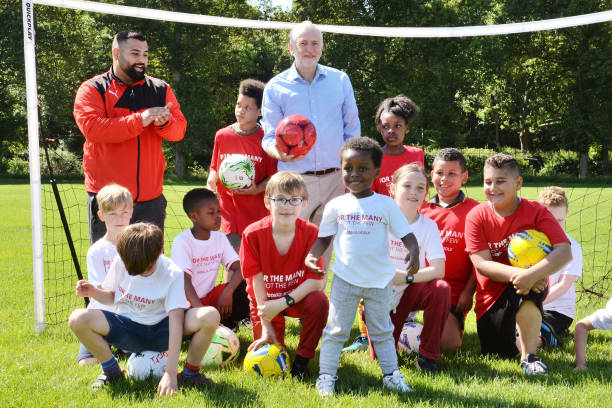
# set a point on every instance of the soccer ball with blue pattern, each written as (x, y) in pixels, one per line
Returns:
(410, 337)
(236, 171)
(527, 248)
(269, 360)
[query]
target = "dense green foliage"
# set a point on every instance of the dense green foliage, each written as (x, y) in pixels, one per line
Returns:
(537, 92)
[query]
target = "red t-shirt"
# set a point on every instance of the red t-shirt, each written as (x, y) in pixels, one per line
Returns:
(281, 273)
(239, 210)
(451, 223)
(391, 163)
(485, 230)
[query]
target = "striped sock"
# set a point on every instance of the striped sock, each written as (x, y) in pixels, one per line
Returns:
(111, 367)
(190, 371)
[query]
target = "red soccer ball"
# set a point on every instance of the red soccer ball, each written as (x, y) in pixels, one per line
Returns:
(295, 135)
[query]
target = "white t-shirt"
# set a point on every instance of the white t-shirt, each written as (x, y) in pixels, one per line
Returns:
(602, 318)
(361, 228)
(100, 256)
(430, 247)
(147, 299)
(566, 303)
(201, 259)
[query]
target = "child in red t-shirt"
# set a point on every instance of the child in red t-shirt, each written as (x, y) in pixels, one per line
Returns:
(393, 118)
(448, 208)
(507, 296)
(242, 206)
(278, 283)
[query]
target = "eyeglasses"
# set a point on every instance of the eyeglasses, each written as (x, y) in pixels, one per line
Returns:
(294, 201)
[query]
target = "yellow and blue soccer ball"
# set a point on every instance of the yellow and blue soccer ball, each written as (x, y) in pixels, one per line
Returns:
(269, 360)
(527, 248)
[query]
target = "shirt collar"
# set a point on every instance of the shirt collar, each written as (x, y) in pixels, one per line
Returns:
(460, 198)
(295, 76)
(115, 77)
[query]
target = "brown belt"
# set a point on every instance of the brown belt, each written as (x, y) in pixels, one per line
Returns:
(320, 172)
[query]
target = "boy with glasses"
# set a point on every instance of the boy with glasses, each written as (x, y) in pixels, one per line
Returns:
(272, 256)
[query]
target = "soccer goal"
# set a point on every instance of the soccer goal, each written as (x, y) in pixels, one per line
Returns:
(55, 262)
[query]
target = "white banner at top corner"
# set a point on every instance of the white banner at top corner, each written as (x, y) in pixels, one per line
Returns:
(414, 32)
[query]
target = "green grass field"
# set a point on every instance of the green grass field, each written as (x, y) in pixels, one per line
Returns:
(40, 370)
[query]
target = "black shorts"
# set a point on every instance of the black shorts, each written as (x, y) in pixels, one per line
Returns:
(558, 322)
(459, 316)
(497, 327)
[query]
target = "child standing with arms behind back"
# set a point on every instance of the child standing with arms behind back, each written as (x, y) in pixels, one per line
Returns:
(359, 222)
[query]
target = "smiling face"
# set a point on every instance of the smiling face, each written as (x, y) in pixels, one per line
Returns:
(206, 217)
(306, 47)
(501, 187)
(285, 208)
(358, 172)
(447, 178)
(246, 112)
(130, 60)
(393, 128)
(409, 192)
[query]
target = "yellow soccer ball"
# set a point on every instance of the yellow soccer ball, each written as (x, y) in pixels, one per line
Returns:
(527, 248)
(269, 360)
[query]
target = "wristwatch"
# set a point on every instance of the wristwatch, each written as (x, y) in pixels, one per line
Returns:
(290, 301)
(409, 278)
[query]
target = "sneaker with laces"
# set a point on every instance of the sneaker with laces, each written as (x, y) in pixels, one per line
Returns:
(360, 344)
(533, 365)
(104, 379)
(549, 337)
(199, 380)
(395, 382)
(326, 384)
(427, 365)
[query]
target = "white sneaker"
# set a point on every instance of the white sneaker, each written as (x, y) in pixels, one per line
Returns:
(325, 385)
(395, 382)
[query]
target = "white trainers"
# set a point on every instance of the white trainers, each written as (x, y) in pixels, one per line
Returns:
(325, 385)
(395, 382)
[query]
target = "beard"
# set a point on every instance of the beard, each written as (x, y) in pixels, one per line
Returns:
(134, 74)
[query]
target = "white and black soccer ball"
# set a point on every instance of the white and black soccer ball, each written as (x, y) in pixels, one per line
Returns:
(237, 171)
(410, 338)
(147, 364)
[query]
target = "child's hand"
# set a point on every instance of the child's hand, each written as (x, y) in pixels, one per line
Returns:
(266, 337)
(271, 308)
(579, 368)
(464, 303)
(250, 190)
(211, 182)
(167, 385)
(412, 262)
(84, 289)
(311, 263)
(522, 282)
(540, 285)
(224, 305)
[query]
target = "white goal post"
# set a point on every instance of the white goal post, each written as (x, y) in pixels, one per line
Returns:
(32, 97)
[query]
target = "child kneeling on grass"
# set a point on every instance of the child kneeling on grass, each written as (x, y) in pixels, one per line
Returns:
(359, 222)
(147, 290)
(600, 320)
(116, 206)
(560, 303)
(506, 296)
(278, 283)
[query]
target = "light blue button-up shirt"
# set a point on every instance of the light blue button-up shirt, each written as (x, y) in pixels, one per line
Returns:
(328, 102)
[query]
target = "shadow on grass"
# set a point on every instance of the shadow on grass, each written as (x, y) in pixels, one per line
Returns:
(146, 390)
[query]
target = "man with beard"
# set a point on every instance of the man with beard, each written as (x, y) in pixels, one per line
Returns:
(124, 115)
